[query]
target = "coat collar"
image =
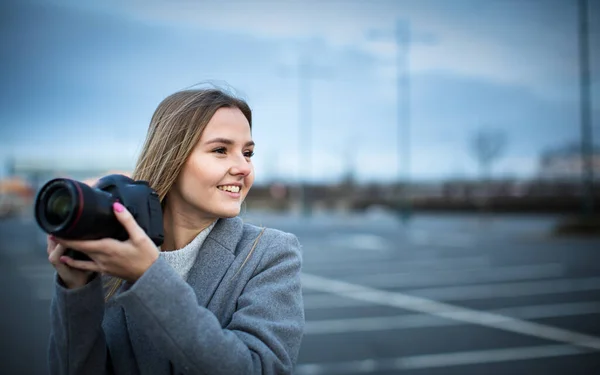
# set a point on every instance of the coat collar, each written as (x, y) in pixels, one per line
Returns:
(215, 257)
(227, 233)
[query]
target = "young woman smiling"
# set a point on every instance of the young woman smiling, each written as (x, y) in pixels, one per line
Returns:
(219, 297)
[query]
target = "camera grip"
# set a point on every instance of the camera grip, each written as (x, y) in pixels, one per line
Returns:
(76, 255)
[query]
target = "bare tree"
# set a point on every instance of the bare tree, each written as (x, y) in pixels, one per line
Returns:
(487, 146)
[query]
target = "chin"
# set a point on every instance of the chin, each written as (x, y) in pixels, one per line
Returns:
(229, 212)
(229, 215)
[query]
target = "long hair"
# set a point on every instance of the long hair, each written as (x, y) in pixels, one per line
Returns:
(174, 130)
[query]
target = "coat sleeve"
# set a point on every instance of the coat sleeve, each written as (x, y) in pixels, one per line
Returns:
(77, 344)
(263, 336)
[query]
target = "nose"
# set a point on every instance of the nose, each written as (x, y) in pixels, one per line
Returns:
(240, 167)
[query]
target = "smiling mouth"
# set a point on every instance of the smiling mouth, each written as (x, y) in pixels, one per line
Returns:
(230, 188)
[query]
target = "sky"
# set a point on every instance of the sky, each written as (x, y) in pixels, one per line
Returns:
(81, 80)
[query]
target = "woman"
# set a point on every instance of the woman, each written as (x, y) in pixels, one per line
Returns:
(219, 297)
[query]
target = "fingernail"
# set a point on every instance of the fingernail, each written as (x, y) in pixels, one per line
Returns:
(118, 207)
(63, 259)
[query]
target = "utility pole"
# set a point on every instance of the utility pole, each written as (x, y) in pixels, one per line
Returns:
(403, 116)
(587, 152)
(307, 71)
(305, 132)
(402, 39)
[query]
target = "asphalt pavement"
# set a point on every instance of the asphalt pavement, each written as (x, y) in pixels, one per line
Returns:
(443, 294)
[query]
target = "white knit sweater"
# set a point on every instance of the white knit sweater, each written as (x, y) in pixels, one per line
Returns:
(183, 259)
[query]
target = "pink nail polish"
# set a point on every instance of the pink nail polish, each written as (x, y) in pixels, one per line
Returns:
(118, 207)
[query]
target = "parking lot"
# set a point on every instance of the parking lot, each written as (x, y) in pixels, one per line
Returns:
(446, 294)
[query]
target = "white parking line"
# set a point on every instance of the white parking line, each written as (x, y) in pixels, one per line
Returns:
(527, 288)
(360, 241)
(469, 292)
(446, 239)
(367, 366)
(444, 310)
(477, 275)
(399, 265)
(384, 323)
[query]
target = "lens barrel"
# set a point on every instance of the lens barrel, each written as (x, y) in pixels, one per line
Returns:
(73, 210)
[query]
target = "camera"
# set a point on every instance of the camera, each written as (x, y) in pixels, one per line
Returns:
(73, 210)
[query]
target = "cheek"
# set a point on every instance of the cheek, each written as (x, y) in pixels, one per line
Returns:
(200, 172)
(250, 178)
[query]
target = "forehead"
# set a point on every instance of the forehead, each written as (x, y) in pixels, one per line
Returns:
(229, 122)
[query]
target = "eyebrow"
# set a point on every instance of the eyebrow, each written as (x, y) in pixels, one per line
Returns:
(228, 142)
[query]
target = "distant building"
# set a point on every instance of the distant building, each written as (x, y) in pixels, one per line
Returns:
(565, 163)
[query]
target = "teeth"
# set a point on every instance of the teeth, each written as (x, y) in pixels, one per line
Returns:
(233, 189)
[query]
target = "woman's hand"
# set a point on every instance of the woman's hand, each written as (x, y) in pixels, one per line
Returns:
(127, 260)
(71, 277)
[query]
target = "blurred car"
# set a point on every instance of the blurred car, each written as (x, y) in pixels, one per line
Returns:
(16, 195)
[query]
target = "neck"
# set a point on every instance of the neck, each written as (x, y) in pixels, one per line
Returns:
(181, 228)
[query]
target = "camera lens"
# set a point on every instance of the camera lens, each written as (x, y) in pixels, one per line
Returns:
(59, 205)
(71, 209)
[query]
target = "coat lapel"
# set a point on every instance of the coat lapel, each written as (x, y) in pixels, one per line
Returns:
(214, 258)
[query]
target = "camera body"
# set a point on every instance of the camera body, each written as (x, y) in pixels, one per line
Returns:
(140, 200)
(71, 209)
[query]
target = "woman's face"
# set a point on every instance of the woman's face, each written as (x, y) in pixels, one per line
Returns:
(218, 173)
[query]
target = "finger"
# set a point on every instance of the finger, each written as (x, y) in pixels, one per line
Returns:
(88, 246)
(54, 256)
(136, 233)
(51, 244)
(84, 265)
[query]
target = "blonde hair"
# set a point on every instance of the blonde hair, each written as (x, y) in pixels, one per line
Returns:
(174, 131)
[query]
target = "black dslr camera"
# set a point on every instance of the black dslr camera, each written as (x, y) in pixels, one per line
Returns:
(73, 210)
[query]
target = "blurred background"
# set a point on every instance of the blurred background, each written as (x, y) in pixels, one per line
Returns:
(439, 161)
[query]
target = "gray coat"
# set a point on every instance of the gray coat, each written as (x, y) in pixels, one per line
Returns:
(239, 312)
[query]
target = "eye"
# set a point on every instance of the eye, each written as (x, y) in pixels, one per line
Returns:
(220, 150)
(249, 154)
